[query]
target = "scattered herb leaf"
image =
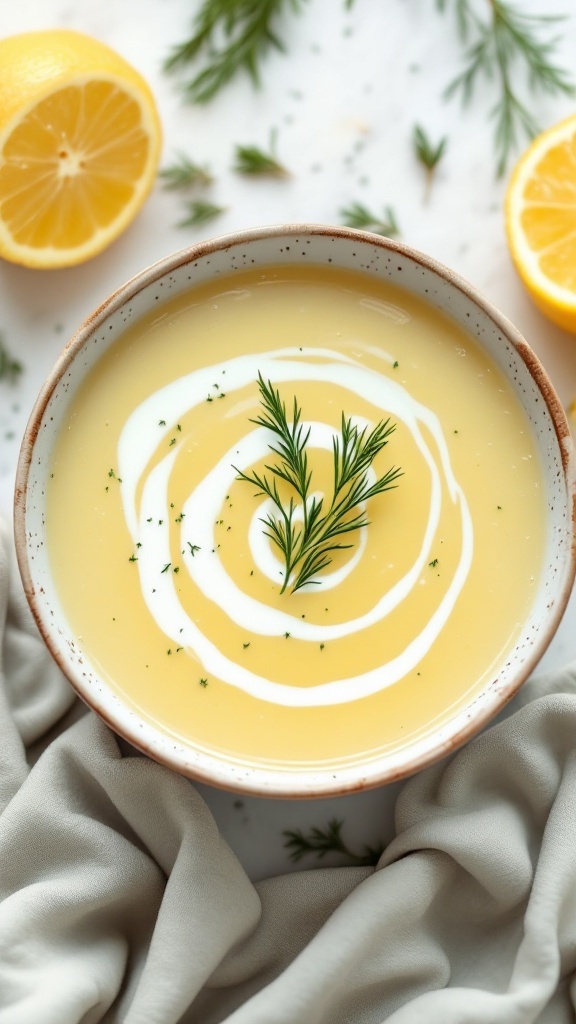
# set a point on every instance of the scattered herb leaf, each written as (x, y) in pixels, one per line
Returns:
(359, 216)
(495, 47)
(319, 842)
(253, 161)
(199, 212)
(184, 174)
(231, 35)
(428, 153)
(10, 368)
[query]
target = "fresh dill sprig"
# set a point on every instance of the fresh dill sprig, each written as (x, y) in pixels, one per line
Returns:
(359, 216)
(303, 531)
(251, 160)
(184, 174)
(10, 368)
(427, 153)
(508, 38)
(319, 842)
(199, 212)
(466, 17)
(231, 35)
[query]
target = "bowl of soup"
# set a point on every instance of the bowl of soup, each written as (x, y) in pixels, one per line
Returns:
(294, 511)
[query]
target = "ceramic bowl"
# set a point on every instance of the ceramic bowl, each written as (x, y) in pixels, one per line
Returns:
(375, 256)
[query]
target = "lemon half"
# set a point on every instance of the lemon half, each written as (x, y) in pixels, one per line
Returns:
(80, 141)
(541, 222)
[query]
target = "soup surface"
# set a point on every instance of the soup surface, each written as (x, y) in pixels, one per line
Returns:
(160, 553)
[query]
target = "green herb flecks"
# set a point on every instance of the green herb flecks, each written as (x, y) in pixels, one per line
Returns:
(306, 534)
(497, 46)
(359, 216)
(10, 368)
(318, 842)
(231, 35)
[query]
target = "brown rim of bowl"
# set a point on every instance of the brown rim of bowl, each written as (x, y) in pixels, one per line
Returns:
(502, 694)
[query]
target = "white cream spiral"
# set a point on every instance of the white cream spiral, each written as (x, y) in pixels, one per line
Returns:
(138, 443)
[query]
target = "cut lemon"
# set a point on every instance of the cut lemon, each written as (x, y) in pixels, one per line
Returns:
(541, 222)
(79, 147)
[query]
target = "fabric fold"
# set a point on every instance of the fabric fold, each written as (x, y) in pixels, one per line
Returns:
(121, 903)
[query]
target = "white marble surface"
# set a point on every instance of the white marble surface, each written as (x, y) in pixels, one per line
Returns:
(342, 101)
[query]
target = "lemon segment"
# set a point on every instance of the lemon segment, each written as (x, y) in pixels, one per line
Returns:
(541, 222)
(80, 144)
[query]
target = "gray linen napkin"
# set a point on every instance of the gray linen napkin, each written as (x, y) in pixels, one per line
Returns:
(120, 902)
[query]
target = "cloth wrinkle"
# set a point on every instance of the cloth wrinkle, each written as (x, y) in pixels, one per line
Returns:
(121, 903)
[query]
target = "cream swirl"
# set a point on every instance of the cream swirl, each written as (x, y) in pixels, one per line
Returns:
(138, 444)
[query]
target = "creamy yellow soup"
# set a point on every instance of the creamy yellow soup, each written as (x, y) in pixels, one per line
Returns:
(160, 553)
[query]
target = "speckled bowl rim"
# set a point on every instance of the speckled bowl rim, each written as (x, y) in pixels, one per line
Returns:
(264, 780)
